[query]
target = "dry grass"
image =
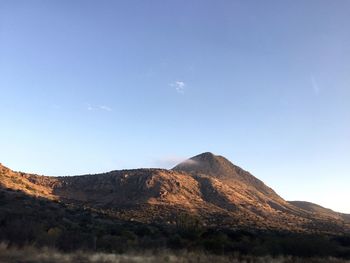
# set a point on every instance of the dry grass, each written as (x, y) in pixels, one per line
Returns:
(33, 255)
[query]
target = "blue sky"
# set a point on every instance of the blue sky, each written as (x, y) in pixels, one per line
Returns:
(92, 86)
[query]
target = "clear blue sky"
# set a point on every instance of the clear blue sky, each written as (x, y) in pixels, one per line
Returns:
(92, 86)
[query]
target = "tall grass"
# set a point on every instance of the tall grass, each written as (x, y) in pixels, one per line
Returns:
(30, 254)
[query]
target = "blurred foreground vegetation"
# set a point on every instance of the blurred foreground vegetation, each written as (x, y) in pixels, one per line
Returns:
(29, 224)
(45, 255)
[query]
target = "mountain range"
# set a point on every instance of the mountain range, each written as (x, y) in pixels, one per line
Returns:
(207, 186)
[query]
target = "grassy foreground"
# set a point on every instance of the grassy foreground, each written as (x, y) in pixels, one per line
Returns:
(34, 255)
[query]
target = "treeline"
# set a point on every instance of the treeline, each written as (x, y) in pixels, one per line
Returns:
(26, 220)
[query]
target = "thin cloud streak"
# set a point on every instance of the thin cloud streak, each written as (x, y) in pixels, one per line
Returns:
(170, 161)
(105, 108)
(99, 107)
(315, 86)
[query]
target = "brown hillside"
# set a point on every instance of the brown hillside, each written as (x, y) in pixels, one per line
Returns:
(207, 186)
(317, 209)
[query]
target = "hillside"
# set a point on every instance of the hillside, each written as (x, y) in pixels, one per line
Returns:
(320, 210)
(207, 186)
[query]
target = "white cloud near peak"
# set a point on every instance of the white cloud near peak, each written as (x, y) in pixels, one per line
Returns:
(168, 162)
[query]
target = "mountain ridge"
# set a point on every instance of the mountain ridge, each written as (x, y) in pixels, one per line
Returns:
(206, 185)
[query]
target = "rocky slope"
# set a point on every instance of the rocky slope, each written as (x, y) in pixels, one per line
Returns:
(320, 210)
(207, 186)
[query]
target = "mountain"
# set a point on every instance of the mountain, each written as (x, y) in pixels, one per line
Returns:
(219, 167)
(207, 186)
(320, 210)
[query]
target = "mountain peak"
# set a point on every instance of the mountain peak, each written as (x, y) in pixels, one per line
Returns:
(219, 167)
(207, 163)
(204, 157)
(209, 154)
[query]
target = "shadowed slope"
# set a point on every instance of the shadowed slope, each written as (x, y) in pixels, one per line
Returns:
(320, 210)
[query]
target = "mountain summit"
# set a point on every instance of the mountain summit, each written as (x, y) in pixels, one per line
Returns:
(206, 163)
(219, 167)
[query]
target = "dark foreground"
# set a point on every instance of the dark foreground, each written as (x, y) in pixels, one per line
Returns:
(33, 255)
(27, 222)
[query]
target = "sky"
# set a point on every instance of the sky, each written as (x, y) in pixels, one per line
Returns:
(93, 86)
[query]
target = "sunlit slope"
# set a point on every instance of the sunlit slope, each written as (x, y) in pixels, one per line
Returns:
(207, 186)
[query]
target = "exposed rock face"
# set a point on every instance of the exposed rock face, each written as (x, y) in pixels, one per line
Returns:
(209, 186)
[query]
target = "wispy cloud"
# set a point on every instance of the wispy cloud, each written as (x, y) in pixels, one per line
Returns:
(170, 161)
(105, 108)
(179, 86)
(98, 107)
(315, 86)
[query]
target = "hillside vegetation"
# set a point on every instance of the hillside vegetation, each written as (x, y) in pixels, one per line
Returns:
(205, 204)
